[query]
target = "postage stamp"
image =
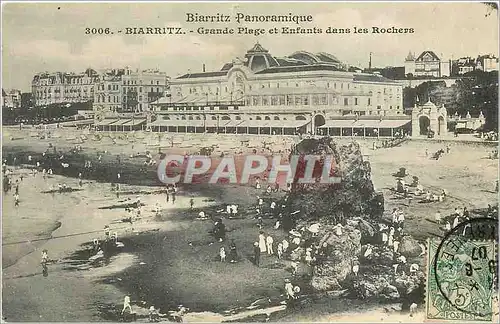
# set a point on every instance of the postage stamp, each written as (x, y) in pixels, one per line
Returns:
(462, 273)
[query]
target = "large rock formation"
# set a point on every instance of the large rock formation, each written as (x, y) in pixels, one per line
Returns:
(353, 196)
(354, 204)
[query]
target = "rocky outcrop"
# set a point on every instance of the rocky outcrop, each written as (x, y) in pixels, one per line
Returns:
(349, 253)
(354, 196)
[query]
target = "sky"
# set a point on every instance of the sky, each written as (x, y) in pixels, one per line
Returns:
(51, 37)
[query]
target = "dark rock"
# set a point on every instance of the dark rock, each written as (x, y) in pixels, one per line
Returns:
(354, 196)
(409, 247)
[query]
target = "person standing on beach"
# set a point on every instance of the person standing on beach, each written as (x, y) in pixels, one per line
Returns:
(222, 254)
(256, 254)
(126, 304)
(269, 243)
(168, 193)
(233, 255)
(262, 242)
(191, 203)
(16, 199)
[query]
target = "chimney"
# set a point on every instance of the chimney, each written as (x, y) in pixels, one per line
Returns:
(203, 67)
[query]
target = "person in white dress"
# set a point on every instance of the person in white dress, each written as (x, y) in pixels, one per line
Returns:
(290, 294)
(395, 244)
(338, 229)
(384, 237)
(280, 250)
(126, 304)
(390, 242)
(285, 246)
(355, 268)
(262, 242)
(269, 243)
(222, 254)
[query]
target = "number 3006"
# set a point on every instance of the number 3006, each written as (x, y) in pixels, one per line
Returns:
(99, 31)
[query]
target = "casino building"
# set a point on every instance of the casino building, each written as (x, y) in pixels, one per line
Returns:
(262, 94)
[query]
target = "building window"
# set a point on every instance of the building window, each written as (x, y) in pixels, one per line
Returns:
(346, 101)
(379, 107)
(323, 100)
(282, 100)
(277, 85)
(140, 89)
(274, 101)
(289, 99)
(305, 100)
(214, 118)
(355, 101)
(390, 107)
(267, 118)
(298, 100)
(314, 100)
(248, 101)
(255, 100)
(258, 118)
(369, 101)
(276, 118)
(264, 100)
(238, 118)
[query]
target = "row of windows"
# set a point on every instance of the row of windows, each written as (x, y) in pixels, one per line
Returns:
(291, 100)
(66, 90)
(329, 85)
(102, 98)
(237, 117)
(45, 82)
(134, 89)
(134, 82)
(57, 95)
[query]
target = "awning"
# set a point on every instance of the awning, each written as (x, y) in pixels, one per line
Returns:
(106, 122)
(133, 122)
(180, 123)
(349, 123)
(119, 122)
(274, 123)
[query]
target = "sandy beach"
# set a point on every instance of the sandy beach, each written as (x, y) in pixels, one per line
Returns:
(166, 258)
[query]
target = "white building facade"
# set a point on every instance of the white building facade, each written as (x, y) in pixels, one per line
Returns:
(263, 94)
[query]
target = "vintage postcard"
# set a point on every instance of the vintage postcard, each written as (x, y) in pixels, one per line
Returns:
(250, 162)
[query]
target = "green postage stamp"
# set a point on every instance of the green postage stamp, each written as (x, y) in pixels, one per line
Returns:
(461, 278)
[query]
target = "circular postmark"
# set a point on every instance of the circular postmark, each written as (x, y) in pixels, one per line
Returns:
(465, 266)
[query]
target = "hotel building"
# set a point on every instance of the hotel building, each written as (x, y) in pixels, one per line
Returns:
(61, 87)
(263, 94)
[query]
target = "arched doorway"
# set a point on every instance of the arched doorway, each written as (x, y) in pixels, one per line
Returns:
(441, 126)
(319, 120)
(424, 124)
